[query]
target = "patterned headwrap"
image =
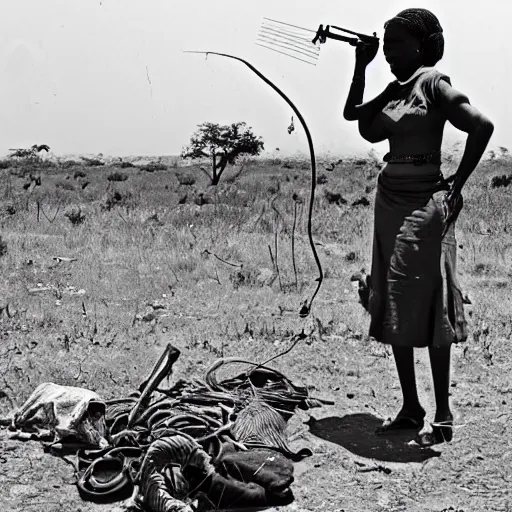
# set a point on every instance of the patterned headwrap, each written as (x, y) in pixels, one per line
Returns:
(422, 24)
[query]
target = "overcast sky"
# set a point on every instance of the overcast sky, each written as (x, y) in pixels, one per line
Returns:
(109, 76)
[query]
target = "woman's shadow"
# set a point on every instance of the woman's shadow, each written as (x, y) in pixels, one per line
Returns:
(356, 433)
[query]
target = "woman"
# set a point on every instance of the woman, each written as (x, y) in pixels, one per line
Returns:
(414, 296)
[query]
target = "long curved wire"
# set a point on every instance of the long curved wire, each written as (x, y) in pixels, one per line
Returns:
(306, 308)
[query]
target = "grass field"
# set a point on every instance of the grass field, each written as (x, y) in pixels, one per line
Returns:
(158, 256)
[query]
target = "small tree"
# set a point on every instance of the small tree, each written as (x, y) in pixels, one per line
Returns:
(223, 144)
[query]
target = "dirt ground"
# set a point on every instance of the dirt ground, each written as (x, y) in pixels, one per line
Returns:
(352, 469)
(89, 328)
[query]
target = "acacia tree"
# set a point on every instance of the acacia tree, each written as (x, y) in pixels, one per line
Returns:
(223, 145)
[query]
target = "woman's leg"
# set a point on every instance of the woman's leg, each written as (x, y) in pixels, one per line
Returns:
(443, 420)
(440, 364)
(442, 428)
(404, 360)
(412, 413)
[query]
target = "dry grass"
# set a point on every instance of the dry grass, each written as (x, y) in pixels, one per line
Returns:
(92, 322)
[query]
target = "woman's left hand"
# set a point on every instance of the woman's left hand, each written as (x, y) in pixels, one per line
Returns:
(452, 205)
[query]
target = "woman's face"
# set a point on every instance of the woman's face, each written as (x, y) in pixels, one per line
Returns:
(402, 51)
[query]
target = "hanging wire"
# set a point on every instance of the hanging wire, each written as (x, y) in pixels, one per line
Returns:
(306, 307)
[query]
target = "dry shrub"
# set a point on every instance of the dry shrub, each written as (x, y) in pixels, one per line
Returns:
(92, 162)
(501, 181)
(75, 216)
(185, 179)
(115, 198)
(244, 276)
(117, 176)
(153, 166)
(65, 185)
(334, 198)
(70, 163)
(322, 179)
(3, 247)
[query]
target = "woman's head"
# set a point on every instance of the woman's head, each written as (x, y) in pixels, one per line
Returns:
(413, 38)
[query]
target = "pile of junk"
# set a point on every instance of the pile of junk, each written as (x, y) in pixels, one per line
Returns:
(200, 444)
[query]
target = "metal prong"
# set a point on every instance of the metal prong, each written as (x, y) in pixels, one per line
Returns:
(283, 35)
(287, 46)
(287, 54)
(288, 24)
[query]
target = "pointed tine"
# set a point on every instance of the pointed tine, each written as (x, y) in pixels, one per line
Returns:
(287, 54)
(284, 30)
(289, 25)
(290, 47)
(284, 35)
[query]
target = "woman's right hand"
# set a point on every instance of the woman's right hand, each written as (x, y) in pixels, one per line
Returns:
(366, 52)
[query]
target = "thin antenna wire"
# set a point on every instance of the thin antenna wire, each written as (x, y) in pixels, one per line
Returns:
(288, 24)
(293, 42)
(287, 46)
(287, 54)
(299, 42)
(281, 30)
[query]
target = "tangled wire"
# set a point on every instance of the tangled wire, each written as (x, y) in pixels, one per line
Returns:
(222, 444)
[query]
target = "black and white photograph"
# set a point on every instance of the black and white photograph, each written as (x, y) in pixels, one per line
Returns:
(255, 256)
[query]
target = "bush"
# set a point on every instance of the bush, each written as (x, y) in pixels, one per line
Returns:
(117, 176)
(75, 216)
(153, 166)
(92, 162)
(185, 179)
(3, 247)
(334, 197)
(10, 209)
(65, 185)
(501, 181)
(243, 277)
(79, 174)
(70, 163)
(361, 202)
(115, 198)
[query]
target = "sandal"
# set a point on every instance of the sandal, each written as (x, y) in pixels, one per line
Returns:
(401, 422)
(442, 431)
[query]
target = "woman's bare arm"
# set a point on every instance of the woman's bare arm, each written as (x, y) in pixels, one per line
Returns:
(463, 116)
(355, 109)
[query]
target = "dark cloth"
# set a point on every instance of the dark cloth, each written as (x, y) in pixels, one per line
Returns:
(267, 468)
(415, 299)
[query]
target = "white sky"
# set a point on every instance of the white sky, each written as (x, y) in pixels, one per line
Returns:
(74, 73)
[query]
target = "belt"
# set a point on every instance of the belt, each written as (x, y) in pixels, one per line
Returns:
(434, 157)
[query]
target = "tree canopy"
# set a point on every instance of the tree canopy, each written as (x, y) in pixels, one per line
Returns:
(223, 144)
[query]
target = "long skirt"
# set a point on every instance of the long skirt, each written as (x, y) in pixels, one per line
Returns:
(415, 299)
